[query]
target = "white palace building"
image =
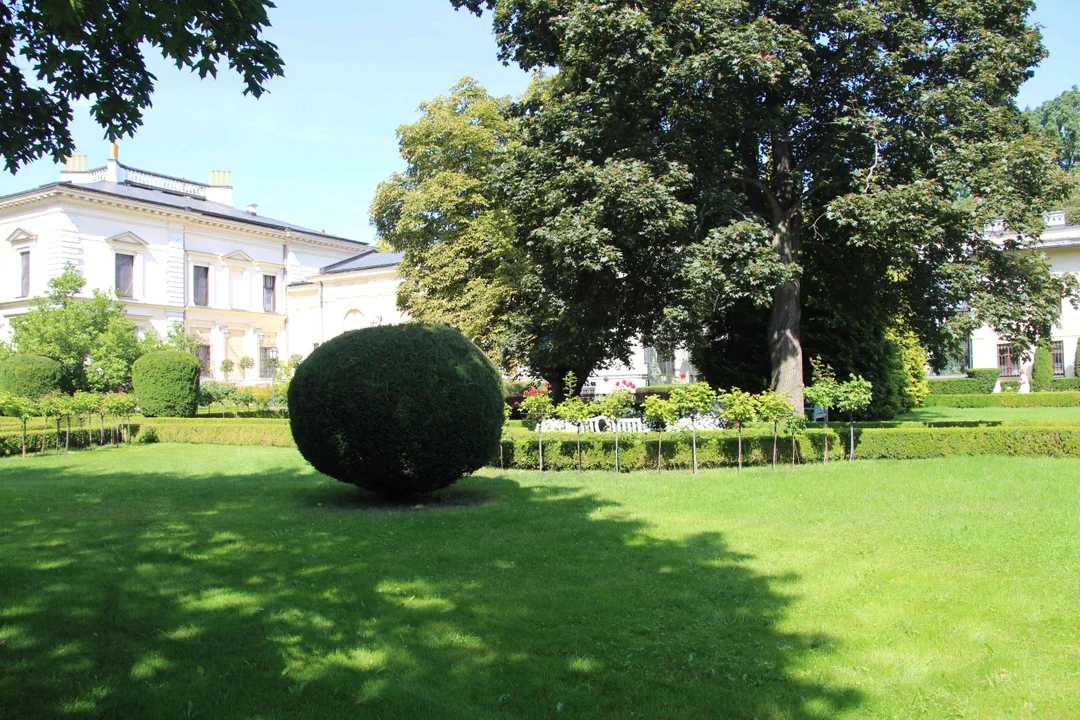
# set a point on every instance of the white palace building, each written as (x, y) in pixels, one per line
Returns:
(178, 252)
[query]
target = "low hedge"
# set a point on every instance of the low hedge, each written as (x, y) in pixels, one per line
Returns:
(275, 434)
(11, 442)
(1056, 385)
(918, 443)
(978, 381)
(1048, 399)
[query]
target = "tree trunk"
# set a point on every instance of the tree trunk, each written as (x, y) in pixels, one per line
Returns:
(616, 446)
(24, 438)
(739, 429)
(101, 418)
(67, 437)
(785, 346)
(540, 443)
(659, 450)
(851, 440)
(775, 444)
(579, 447)
(693, 442)
(826, 437)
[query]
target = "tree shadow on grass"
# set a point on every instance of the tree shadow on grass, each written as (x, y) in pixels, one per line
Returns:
(240, 596)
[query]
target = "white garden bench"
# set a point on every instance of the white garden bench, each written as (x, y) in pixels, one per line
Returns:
(631, 425)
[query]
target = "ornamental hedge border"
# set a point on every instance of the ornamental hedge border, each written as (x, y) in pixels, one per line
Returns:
(1015, 400)
(979, 381)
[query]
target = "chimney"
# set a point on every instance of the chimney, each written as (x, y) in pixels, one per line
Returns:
(74, 169)
(252, 209)
(220, 189)
(114, 171)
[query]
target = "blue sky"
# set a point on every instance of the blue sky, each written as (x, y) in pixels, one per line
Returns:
(313, 149)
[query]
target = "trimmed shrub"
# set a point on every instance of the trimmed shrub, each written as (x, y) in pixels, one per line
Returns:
(1065, 385)
(664, 391)
(1003, 399)
(30, 376)
(397, 409)
(167, 383)
(1042, 372)
(978, 381)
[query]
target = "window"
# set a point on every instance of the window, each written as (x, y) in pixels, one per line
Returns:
(24, 260)
(266, 363)
(269, 297)
(202, 286)
(1005, 362)
(125, 275)
(1057, 355)
(203, 354)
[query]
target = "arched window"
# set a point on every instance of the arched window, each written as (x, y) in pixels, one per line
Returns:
(354, 320)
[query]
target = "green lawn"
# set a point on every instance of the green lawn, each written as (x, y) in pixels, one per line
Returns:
(229, 582)
(998, 414)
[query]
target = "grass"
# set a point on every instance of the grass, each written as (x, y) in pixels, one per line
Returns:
(995, 414)
(233, 582)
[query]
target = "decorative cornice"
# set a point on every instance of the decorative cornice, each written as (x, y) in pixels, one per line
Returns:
(42, 195)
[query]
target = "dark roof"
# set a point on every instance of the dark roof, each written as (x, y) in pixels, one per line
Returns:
(364, 261)
(191, 204)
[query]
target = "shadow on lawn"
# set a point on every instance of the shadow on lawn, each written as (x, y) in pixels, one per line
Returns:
(242, 596)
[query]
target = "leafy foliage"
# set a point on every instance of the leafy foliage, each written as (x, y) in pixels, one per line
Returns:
(680, 143)
(167, 383)
(30, 376)
(425, 409)
(459, 266)
(58, 53)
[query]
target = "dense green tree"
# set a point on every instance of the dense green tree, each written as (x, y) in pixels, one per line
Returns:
(443, 212)
(56, 53)
(689, 156)
(1059, 118)
(92, 338)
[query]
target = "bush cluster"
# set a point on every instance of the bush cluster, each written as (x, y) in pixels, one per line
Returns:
(979, 381)
(30, 376)
(167, 383)
(397, 409)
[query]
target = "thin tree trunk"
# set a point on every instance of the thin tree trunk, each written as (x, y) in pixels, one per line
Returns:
(693, 442)
(67, 437)
(44, 434)
(739, 430)
(540, 443)
(826, 437)
(24, 438)
(775, 445)
(101, 418)
(579, 447)
(851, 440)
(616, 446)
(659, 450)
(58, 434)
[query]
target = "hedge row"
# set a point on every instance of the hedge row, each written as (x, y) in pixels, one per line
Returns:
(11, 442)
(1056, 385)
(1047, 399)
(979, 381)
(638, 451)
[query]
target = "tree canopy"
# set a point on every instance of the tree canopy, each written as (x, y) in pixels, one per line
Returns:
(55, 53)
(1059, 119)
(459, 266)
(763, 174)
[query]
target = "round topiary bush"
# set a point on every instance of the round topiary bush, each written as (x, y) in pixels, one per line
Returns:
(30, 376)
(167, 383)
(397, 409)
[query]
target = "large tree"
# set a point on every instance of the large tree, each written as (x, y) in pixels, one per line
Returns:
(863, 145)
(459, 266)
(55, 52)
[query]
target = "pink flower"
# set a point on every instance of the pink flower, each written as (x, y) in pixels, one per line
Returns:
(682, 376)
(605, 379)
(516, 403)
(543, 393)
